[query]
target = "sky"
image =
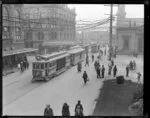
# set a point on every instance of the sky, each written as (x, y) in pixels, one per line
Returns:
(96, 12)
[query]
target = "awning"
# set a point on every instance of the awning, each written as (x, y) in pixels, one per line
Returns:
(58, 43)
(18, 51)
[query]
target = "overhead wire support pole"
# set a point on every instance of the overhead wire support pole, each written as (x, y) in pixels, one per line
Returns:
(110, 43)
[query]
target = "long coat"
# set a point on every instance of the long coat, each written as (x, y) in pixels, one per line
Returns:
(78, 110)
(48, 112)
(65, 110)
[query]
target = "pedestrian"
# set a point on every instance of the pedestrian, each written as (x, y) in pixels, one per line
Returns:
(109, 69)
(103, 71)
(79, 109)
(112, 62)
(98, 64)
(98, 72)
(19, 66)
(134, 65)
(65, 110)
(131, 65)
(48, 111)
(79, 67)
(127, 70)
(92, 58)
(22, 68)
(24, 64)
(85, 77)
(87, 61)
(95, 65)
(115, 70)
(139, 76)
(105, 52)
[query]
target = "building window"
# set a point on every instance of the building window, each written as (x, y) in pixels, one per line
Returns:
(40, 36)
(6, 28)
(5, 32)
(18, 33)
(126, 42)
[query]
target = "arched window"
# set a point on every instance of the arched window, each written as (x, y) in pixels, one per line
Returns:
(6, 29)
(40, 36)
(17, 25)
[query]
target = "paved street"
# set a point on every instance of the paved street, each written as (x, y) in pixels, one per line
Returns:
(21, 97)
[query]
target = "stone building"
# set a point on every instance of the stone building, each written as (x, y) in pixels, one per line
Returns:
(130, 33)
(13, 35)
(51, 24)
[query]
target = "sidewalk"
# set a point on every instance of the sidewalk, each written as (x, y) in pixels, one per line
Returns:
(14, 70)
(9, 71)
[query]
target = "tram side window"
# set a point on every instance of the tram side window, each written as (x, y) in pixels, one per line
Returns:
(42, 66)
(49, 64)
(46, 65)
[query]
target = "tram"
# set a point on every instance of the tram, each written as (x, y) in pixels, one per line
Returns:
(94, 48)
(77, 54)
(47, 66)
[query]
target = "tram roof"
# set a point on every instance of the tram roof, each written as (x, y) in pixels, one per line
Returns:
(76, 50)
(53, 59)
(53, 54)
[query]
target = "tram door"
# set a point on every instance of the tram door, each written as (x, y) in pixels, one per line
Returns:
(72, 59)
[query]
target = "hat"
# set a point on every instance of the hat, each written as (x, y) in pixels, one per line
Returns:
(48, 105)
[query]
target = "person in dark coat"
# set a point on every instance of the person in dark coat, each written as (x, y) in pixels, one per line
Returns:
(112, 62)
(95, 65)
(22, 68)
(85, 77)
(103, 71)
(109, 69)
(98, 65)
(127, 71)
(87, 61)
(139, 76)
(65, 110)
(79, 109)
(98, 72)
(79, 67)
(48, 111)
(115, 70)
(134, 65)
(131, 65)
(24, 64)
(92, 58)
(105, 51)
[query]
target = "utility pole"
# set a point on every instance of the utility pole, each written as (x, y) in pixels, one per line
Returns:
(110, 35)
(110, 43)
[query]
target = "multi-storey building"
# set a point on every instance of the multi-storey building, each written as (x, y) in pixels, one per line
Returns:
(52, 26)
(130, 33)
(13, 35)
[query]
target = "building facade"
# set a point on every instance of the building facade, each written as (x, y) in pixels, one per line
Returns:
(50, 25)
(130, 33)
(13, 35)
(98, 37)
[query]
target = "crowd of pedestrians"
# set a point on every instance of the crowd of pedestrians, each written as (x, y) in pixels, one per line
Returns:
(23, 65)
(65, 110)
(100, 71)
